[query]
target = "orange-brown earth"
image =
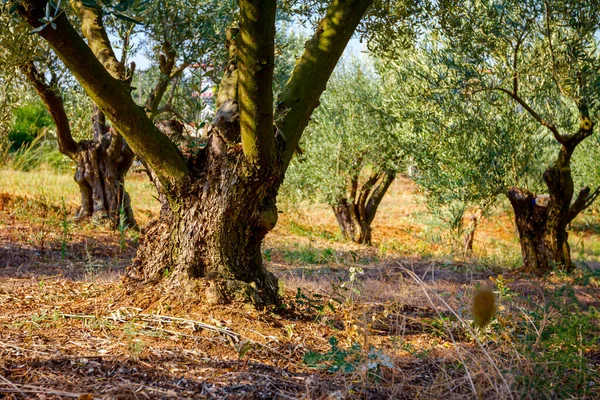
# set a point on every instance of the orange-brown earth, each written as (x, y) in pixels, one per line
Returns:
(68, 327)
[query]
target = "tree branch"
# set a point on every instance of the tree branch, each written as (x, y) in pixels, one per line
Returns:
(378, 194)
(583, 201)
(300, 95)
(168, 73)
(365, 191)
(92, 28)
(55, 106)
(228, 88)
(256, 58)
(559, 138)
(352, 188)
(551, 47)
(111, 95)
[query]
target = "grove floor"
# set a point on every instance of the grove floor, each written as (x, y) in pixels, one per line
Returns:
(387, 321)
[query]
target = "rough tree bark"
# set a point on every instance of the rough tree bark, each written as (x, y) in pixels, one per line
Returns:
(101, 163)
(542, 221)
(356, 211)
(219, 202)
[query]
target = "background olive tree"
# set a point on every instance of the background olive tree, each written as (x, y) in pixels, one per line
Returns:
(351, 151)
(538, 60)
(467, 149)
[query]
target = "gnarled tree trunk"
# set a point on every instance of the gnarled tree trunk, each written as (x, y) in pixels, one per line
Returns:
(219, 202)
(102, 164)
(542, 221)
(215, 227)
(356, 211)
(531, 220)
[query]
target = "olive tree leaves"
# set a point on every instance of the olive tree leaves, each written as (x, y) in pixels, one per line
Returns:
(118, 9)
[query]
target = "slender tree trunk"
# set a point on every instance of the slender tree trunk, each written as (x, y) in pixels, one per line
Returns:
(102, 164)
(470, 236)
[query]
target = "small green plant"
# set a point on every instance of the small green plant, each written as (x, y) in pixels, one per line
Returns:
(504, 292)
(268, 255)
(348, 360)
(420, 353)
(318, 304)
(354, 284)
(136, 347)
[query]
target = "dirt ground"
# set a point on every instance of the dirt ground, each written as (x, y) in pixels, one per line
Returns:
(391, 321)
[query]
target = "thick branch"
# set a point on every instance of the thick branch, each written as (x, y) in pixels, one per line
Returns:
(256, 58)
(559, 138)
(168, 74)
(583, 201)
(364, 194)
(54, 105)
(111, 95)
(378, 194)
(92, 28)
(301, 94)
(228, 89)
(352, 188)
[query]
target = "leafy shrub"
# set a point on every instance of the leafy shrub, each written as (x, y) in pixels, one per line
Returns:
(30, 121)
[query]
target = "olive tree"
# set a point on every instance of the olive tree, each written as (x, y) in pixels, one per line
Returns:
(351, 151)
(540, 58)
(218, 202)
(102, 161)
(468, 150)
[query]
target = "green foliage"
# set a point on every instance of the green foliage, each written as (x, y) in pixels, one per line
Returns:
(79, 108)
(348, 360)
(30, 121)
(488, 89)
(468, 149)
(289, 44)
(318, 304)
(310, 255)
(37, 154)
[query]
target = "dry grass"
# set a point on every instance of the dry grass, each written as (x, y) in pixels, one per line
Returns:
(401, 319)
(51, 187)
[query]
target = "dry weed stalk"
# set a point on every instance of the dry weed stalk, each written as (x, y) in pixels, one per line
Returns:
(487, 372)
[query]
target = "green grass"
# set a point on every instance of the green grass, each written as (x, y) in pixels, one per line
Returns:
(51, 187)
